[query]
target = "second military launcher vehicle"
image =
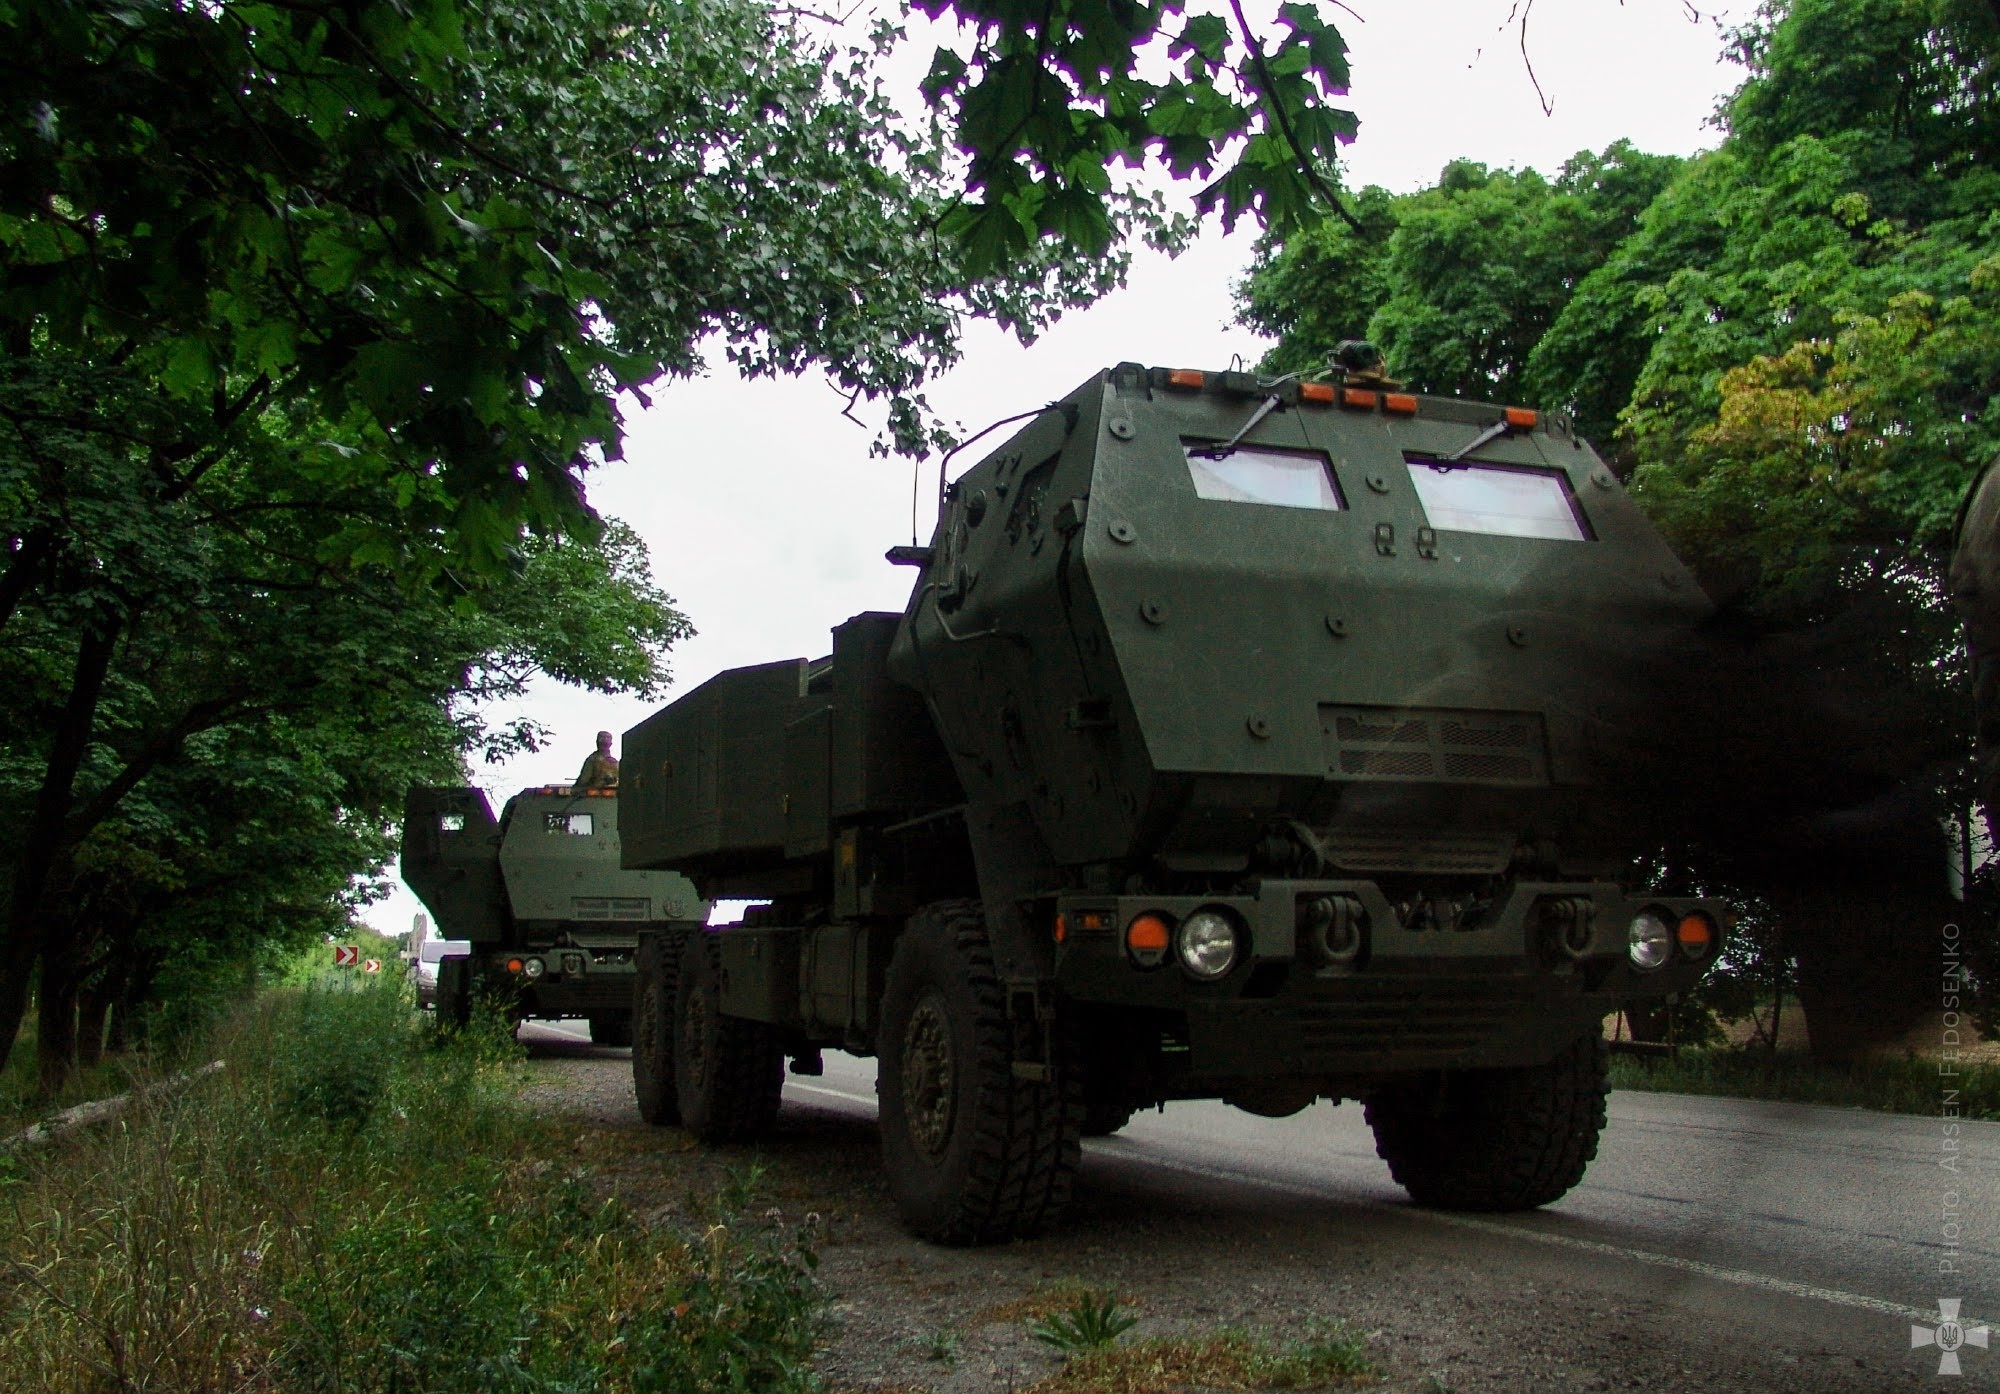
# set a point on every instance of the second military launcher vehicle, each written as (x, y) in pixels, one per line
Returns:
(552, 917)
(1240, 740)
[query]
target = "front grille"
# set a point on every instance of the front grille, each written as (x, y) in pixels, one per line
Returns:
(1378, 1018)
(1435, 745)
(609, 907)
(1396, 849)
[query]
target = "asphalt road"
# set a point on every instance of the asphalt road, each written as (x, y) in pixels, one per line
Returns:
(1830, 1227)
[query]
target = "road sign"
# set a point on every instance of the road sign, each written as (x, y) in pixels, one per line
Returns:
(346, 955)
(371, 965)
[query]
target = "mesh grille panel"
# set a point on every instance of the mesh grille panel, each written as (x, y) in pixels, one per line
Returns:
(1435, 745)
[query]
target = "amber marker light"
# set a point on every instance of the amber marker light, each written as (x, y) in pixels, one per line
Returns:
(1062, 930)
(1318, 393)
(515, 965)
(1522, 418)
(1695, 934)
(1146, 939)
(1360, 398)
(1401, 403)
(1187, 377)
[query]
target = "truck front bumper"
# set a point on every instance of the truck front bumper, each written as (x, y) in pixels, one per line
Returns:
(1508, 982)
(571, 982)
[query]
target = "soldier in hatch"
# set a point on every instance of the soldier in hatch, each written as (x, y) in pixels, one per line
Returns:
(600, 770)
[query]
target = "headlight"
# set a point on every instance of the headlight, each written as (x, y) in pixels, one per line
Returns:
(1649, 940)
(533, 967)
(1207, 944)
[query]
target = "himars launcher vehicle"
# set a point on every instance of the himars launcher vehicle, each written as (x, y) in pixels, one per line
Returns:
(1243, 740)
(553, 919)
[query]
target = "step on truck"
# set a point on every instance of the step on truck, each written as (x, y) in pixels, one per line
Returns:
(1240, 739)
(552, 918)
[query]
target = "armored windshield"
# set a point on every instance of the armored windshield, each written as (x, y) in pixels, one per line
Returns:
(1502, 500)
(1258, 474)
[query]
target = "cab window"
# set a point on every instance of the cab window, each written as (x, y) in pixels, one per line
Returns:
(1259, 474)
(451, 822)
(574, 824)
(1500, 500)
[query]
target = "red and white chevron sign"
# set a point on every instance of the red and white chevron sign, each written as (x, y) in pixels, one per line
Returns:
(371, 965)
(346, 955)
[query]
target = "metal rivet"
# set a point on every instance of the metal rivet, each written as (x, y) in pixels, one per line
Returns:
(1336, 626)
(1379, 483)
(1123, 532)
(1153, 611)
(1517, 636)
(1122, 428)
(1259, 727)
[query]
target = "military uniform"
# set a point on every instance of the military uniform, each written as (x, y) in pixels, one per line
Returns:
(600, 771)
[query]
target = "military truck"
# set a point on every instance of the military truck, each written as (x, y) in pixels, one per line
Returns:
(552, 918)
(1241, 739)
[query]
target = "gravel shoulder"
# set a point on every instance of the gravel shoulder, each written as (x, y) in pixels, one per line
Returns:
(1439, 1310)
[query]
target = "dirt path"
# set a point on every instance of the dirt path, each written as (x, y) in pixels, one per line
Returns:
(1439, 1310)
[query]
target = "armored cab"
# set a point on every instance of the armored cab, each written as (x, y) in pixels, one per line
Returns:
(551, 914)
(1267, 741)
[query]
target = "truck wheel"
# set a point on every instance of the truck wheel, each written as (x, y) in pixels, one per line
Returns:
(611, 1029)
(1494, 1139)
(974, 1154)
(454, 993)
(728, 1071)
(653, 1030)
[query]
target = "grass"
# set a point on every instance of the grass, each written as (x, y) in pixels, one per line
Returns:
(1045, 1301)
(1890, 1085)
(1090, 1322)
(356, 1205)
(1228, 1361)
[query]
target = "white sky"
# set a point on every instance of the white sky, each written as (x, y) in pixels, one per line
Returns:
(764, 512)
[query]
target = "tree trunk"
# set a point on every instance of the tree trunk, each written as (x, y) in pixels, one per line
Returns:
(47, 829)
(55, 1020)
(1868, 959)
(92, 1010)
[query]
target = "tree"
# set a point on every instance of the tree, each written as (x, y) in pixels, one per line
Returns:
(1457, 283)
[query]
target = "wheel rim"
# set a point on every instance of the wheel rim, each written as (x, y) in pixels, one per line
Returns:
(929, 1079)
(694, 1038)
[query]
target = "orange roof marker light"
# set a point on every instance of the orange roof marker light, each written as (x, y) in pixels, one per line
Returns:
(1360, 398)
(1318, 393)
(1522, 418)
(1192, 378)
(1402, 403)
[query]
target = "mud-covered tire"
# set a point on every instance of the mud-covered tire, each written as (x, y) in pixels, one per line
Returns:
(974, 1154)
(728, 1071)
(611, 1029)
(1495, 1139)
(454, 993)
(653, 990)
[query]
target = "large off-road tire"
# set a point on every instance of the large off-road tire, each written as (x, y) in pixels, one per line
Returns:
(653, 991)
(454, 993)
(728, 1071)
(611, 1029)
(974, 1153)
(1494, 1139)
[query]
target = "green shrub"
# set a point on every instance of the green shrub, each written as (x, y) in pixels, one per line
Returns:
(357, 1203)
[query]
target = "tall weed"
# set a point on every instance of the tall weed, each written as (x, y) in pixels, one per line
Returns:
(357, 1204)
